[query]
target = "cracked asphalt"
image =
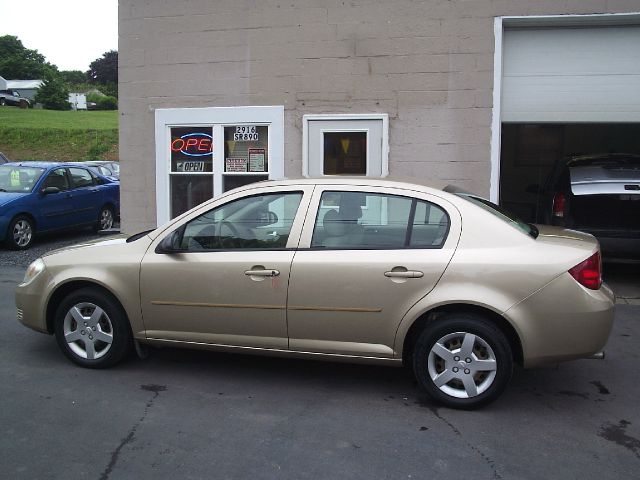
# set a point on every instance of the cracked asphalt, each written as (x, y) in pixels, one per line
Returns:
(202, 415)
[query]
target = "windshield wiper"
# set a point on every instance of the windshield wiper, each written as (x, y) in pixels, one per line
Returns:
(2, 190)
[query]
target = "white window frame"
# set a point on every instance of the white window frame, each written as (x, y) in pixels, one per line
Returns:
(349, 117)
(609, 19)
(217, 118)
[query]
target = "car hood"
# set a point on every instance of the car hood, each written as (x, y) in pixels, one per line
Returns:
(6, 197)
(100, 242)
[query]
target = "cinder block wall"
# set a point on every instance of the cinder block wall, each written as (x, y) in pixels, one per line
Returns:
(428, 64)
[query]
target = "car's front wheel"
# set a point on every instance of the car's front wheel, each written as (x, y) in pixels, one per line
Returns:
(463, 361)
(92, 329)
(21, 233)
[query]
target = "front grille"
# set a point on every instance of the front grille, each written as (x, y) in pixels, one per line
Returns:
(20, 315)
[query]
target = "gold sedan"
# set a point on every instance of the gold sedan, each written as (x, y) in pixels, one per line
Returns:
(345, 270)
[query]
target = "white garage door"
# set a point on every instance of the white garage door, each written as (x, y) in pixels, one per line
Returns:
(571, 74)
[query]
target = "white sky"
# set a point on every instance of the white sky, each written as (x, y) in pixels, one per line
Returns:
(69, 33)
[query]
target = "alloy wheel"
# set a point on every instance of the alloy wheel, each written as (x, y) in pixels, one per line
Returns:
(88, 331)
(462, 365)
(22, 232)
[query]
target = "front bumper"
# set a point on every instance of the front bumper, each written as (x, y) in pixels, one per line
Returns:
(563, 321)
(31, 302)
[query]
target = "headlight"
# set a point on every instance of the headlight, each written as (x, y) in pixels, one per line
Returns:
(33, 270)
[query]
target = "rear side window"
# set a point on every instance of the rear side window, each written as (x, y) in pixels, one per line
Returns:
(358, 220)
(502, 214)
(80, 177)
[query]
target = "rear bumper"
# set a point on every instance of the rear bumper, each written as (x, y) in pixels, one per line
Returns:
(563, 321)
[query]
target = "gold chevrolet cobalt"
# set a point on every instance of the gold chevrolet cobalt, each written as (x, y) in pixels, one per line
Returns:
(350, 270)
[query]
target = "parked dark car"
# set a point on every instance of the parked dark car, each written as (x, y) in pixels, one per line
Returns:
(598, 194)
(101, 168)
(11, 97)
(38, 197)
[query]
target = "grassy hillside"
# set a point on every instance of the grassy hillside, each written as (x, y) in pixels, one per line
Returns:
(29, 134)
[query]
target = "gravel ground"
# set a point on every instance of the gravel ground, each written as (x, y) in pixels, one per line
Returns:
(46, 243)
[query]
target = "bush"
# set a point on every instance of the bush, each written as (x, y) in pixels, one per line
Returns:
(53, 94)
(108, 103)
(103, 102)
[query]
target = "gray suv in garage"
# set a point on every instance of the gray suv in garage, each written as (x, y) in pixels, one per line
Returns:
(600, 195)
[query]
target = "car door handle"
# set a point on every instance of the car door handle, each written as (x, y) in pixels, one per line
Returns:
(262, 273)
(404, 274)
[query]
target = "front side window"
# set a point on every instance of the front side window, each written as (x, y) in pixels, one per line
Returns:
(57, 178)
(358, 220)
(80, 177)
(256, 222)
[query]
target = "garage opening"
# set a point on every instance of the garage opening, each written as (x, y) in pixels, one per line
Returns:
(531, 151)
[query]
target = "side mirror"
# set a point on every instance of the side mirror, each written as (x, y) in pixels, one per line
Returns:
(50, 190)
(268, 218)
(171, 243)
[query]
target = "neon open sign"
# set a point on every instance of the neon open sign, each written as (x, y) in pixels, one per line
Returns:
(193, 144)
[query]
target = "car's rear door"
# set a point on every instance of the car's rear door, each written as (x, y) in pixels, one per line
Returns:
(87, 197)
(353, 279)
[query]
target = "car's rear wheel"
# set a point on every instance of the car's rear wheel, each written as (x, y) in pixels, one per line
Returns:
(106, 218)
(92, 329)
(463, 361)
(2, 102)
(21, 233)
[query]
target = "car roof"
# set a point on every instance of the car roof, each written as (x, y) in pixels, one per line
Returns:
(45, 164)
(426, 186)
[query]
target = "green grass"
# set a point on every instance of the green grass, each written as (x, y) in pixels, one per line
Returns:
(29, 134)
(52, 119)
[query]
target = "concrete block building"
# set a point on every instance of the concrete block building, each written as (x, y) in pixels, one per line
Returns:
(484, 94)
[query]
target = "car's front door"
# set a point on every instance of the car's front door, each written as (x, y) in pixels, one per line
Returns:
(55, 209)
(226, 281)
(371, 254)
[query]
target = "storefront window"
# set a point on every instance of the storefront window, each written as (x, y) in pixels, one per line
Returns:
(191, 160)
(204, 152)
(246, 150)
(187, 191)
(192, 149)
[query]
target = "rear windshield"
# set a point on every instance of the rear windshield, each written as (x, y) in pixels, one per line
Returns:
(502, 214)
(17, 179)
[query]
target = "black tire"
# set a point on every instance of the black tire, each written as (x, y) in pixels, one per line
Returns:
(86, 342)
(468, 381)
(21, 233)
(106, 218)
(2, 102)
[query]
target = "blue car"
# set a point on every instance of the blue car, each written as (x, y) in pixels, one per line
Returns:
(38, 197)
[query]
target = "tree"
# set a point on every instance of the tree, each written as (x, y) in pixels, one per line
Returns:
(104, 70)
(20, 63)
(53, 94)
(73, 77)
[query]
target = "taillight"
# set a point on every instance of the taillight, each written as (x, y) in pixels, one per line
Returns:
(589, 272)
(559, 204)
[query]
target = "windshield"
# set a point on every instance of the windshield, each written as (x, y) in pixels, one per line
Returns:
(19, 179)
(501, 213)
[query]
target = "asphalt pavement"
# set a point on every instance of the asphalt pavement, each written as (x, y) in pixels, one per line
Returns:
(195, 415)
